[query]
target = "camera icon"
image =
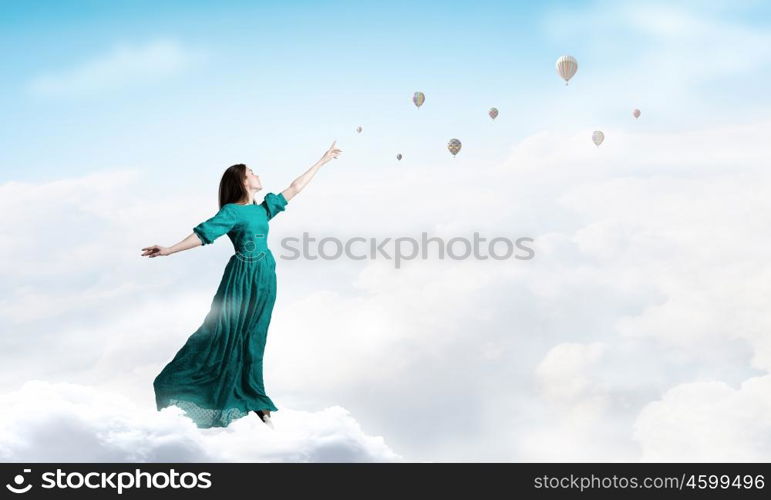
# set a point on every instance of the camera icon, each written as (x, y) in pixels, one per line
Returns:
(19, 481)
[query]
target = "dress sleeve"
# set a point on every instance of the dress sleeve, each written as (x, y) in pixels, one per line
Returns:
(273, 204)
(211, 229)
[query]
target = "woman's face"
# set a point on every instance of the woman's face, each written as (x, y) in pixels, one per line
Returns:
(252, 181)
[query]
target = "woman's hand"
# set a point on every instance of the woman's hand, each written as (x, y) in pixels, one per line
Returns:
(155, 251)
(331, 153)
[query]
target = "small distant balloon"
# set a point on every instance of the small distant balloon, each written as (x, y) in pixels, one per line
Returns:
(598, 137)
(454, 146)
(358, 129)
(399, 156)
(567, 67)
(493, 113)
(419, 98)
(636, 113)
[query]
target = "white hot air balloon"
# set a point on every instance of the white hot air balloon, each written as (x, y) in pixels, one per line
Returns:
(567, 67)
(358, 129)
(636, 113)
(598, 137)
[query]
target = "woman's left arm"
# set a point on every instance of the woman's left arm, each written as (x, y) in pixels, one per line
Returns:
(298, 184)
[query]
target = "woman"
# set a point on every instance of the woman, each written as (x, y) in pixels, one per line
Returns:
(216, 377)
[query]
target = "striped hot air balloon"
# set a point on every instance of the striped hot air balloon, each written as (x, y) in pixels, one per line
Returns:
(454, 146)
(598, 137)
(493, 113)
(419, 98)
(567, 67)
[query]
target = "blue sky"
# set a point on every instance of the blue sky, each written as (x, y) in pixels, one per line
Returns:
(640, 326)
(274, 83)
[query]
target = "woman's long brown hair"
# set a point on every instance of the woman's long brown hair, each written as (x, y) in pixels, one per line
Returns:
(232, 188)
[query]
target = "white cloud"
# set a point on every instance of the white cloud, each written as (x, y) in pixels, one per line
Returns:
(675, 223)
(629, 152)
(124, 66)
(562, 372)
(708, 421)
(652, 248)
(61, 422)
(577, 422)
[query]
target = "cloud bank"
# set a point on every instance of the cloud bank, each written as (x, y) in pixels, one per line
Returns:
(61, 422)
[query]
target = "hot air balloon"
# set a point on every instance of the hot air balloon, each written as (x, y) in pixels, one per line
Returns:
(358, 129)
(636, 113)
(493, 113)
(598, 137)
(419, 98)
(567, 67)
(454, 146)
(399, 156)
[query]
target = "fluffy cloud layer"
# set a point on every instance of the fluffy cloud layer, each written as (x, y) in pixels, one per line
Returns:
(708, 421)
(649, 280)
(61, 422)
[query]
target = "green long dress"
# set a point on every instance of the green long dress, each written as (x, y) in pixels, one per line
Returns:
(216, 377)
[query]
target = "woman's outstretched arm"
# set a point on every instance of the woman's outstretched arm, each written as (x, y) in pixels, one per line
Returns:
(298, 184)
(191, 241)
